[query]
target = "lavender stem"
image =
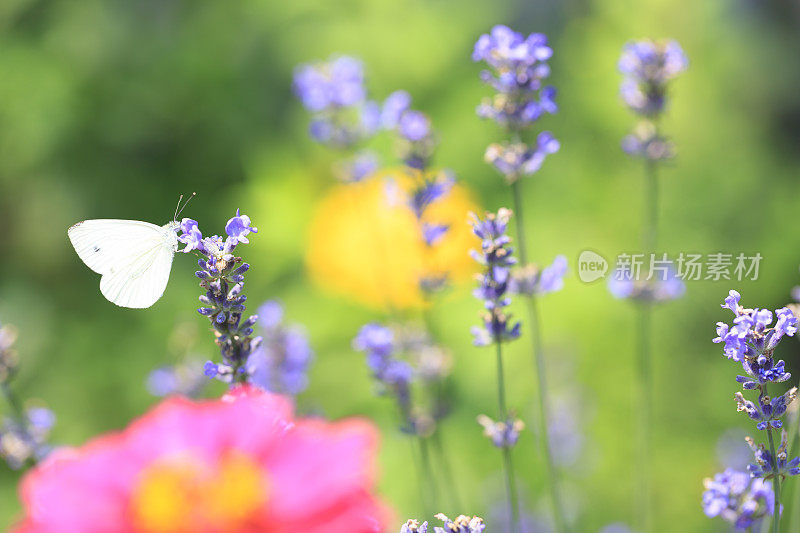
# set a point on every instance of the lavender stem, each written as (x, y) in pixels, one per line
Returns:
(776, 481)
(644, 367)
(508, 468)
(540, 369)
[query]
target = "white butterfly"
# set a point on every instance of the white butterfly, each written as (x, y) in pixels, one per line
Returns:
(134, 257)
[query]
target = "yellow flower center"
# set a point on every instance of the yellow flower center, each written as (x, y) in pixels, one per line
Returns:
(186, 494)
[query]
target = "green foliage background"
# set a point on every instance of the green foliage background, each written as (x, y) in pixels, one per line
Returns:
(111, 109)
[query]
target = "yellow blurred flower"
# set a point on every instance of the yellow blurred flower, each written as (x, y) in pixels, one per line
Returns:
(365, 243)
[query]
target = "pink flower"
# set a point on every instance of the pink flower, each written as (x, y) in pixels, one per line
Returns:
(240, 464)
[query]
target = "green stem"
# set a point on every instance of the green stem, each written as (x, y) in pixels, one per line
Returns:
(444, 461)
(776, 482)
(13, 402)
(650, 226)
(508, 468)
(644, 367)
(644, 408)
(424, 498)
(516, 190)
(541, 376)
(543, 409)
(794, 517)
(426, 468)
(438, 445)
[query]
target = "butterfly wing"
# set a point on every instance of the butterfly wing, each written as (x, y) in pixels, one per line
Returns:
(135, 258)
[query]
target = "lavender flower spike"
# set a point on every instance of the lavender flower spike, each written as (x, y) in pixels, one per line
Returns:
(751, 341)
(392, 374)
(461, 524)
(737, 498)
(24, 433)
(335, 94)
(336, 83)
(280, 364)
(413, 526)
(517, 70)
(648, 67)
(496, 256)
(221, 277)
(503, 434)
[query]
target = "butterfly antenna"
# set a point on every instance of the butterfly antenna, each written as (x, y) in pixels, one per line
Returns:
(184, 205)
(175, 216)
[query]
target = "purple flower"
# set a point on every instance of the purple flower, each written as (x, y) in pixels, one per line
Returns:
(280, 364)
(461, 524)
(762, 370)
(503, 434)
(785, 325)
(732, 302)
(24, 433)
(621, 288)
(399, 356)
(335, 94)
(751, 341)
(324, 131)
(370, 118)
(662, 287)
(394, 106)
(413, 526)
(645, 142)
(392, 374)
(795, 293)
(496, 256)
(767, 411)
(517, 159)
(648, 66)
(375, 339)
(736, 498)
(187, 224)
(41, 419)
(529, 280)
(211, 369)
(518, 65)
(23, 440)
(239, 227)
(547, 100)
(433, 233)
(221, 278)
(765, 464)
(186, 379)
(338, 82)
(414, 126)
(270, 314)
(546, 145)
(430, 191)
(513, 56)
(357, 168)
(651, 62)
(191, 237)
